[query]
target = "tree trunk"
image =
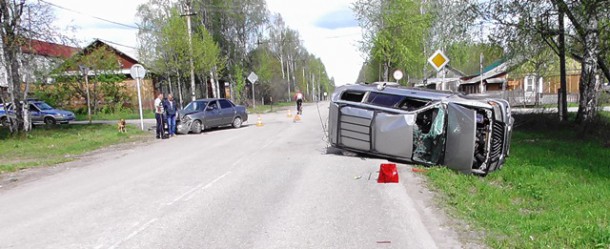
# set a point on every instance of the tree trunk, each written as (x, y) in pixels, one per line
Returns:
(94, 97)
(386, 71)
(213, 85)
(588, 90)
(179, 88)
(563, 102)
(14, 83)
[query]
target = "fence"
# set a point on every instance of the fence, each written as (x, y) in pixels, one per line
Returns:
(519, 97)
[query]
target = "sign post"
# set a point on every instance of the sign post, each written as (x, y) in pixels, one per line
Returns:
(439, 60)
(397, 75)
(252, 77)
(138, 72)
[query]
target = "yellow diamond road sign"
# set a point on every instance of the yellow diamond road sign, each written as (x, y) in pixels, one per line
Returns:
(438, 60)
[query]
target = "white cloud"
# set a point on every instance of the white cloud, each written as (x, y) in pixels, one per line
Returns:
(89, 28)
(336, 47)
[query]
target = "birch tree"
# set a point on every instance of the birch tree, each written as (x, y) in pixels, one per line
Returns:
(528, 27)
(20, 22)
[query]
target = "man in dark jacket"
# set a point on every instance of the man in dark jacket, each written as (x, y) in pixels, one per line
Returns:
(170, 110)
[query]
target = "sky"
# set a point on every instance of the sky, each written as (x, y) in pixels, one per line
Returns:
(328, 28)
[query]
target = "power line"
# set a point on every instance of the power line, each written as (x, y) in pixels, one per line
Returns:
(81, 13)
(115, 43)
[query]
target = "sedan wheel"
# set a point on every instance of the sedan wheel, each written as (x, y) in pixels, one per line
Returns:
(196, 127)
(4, 121)
(237, 122)
(49, 121)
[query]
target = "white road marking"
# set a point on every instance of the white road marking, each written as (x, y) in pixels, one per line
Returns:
(237, 162)
(267, 144)
(134, 233)
(185, 194)
(208, 185)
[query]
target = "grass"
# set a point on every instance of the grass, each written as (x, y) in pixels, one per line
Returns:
(555, 105)
(553, 192)
(125, 114)
(49, 145)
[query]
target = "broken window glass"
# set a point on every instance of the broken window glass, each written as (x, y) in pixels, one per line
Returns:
(428, 136)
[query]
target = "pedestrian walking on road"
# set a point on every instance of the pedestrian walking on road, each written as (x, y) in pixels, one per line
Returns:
(299, 99)
(159, 113)
(171, 109)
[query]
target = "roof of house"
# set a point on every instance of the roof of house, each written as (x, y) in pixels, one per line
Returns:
(48, 49)
(125, 60)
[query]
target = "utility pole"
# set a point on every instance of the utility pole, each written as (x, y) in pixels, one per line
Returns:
(188, 14)
(422, 11)
(481, 86)
(288, 76)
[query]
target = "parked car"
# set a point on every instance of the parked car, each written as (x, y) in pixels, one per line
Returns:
(202, 114)
(40, 112)
(421, 126)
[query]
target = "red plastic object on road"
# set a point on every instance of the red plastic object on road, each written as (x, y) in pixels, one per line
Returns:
(419, 170)
(387, 173)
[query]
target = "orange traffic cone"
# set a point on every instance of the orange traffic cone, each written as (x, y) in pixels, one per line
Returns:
(259, 121)
(387, 173)
(297, 118)
(289, 114)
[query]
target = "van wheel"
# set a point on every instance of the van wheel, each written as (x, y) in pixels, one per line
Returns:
(49, 121)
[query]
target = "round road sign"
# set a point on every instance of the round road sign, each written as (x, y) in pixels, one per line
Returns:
(137, 71)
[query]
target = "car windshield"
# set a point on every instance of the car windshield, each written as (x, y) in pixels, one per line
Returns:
(43, 106)
(195, 106)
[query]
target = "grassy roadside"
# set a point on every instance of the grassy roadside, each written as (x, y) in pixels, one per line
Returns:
(148, 114)
(125, 114)
(46, 146)
(553, 192)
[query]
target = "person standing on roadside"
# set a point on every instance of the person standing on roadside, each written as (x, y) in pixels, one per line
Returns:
(171, 109)
(159, 111)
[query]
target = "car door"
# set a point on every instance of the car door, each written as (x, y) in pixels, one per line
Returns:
(227, 111)
(461, 138)
(212, 114)
(35, 113)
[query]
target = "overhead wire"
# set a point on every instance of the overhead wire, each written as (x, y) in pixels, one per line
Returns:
(84, 14)
(116, 43)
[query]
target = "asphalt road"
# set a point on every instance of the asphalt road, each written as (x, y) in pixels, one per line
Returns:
(274, 186)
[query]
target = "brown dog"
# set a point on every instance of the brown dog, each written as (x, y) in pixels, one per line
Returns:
(121, 126)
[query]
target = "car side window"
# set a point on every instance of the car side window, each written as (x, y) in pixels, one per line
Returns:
(352, 96)
(225, 104)
(385, 100)
(213, 105)
(199, 106)
(33, 108)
